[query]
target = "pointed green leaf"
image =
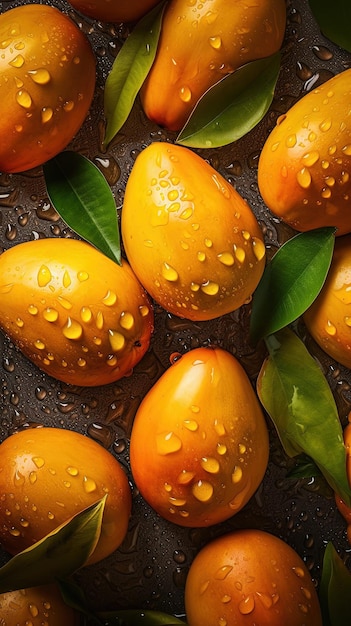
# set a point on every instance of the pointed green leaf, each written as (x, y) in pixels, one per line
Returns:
(291, 281)
(335, 589)
(129, 70)
(57, 555)
(82, 197)
(334, 19)
(137, 617)
(233, 106)
(295, 393)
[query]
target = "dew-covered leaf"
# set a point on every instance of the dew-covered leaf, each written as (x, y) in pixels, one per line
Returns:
(129, 70)
(334, 19)
(233, 106)
(295, 393)
(58, 554)
(81, 195)
(291, 281)
(335, 589)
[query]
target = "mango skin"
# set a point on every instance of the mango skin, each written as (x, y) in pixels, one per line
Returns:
(76, 314)
(201, 41)
(304, 170)
(328, 319)
(192, 240)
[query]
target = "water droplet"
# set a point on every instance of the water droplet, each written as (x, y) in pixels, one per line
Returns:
(202, 491)
(237, 475)
(191, 425)
(38, 461)
(39, 344)
(347, 150)
(33, 477)
(223, 572)
(304, 178)
(66, 304)
(82, 276)
(185, 94)
(46, 114)
(185, 477)
(86, 314)
(18, 61)
(23, 98)
(239, 254)
(167, 443)
(210, 465)
(215, 42)
(325, 125)
(210, 288)
(169, 273)
(50, 315)
(44, 276)
(110, 298)
(40, 76)
(299, 572)
(310, 158)
(226, 258)
(89, 484)
(247, 605)
(330, 329)
(72, 329)
(144, 310)
(259, 249)
(68, 106)
(126, 320)
(116, 339)
(291, 141)
(72, 471)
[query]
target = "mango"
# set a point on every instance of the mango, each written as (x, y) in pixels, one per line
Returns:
(304, 170)
(202, 41)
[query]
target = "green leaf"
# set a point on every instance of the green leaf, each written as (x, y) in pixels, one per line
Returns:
(335, 589)
(304, 468)
(82, 197)
(57, 555)
(334, 19)
(233, 106)
(295, 393)
(291, 281)
(136, 617)
(129, 70)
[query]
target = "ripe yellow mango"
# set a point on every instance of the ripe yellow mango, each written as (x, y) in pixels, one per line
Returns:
(201, 41)
(304, 170)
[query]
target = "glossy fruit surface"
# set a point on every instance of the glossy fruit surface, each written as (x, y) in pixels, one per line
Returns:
(328, 319)
(304, 171)
(114, 10)
(250, 578)
(199, 443)
(191, 239)
(47, 475)
(76, 314)
(47, 81)
(36, 606)
(202, 41)
(342, 506)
